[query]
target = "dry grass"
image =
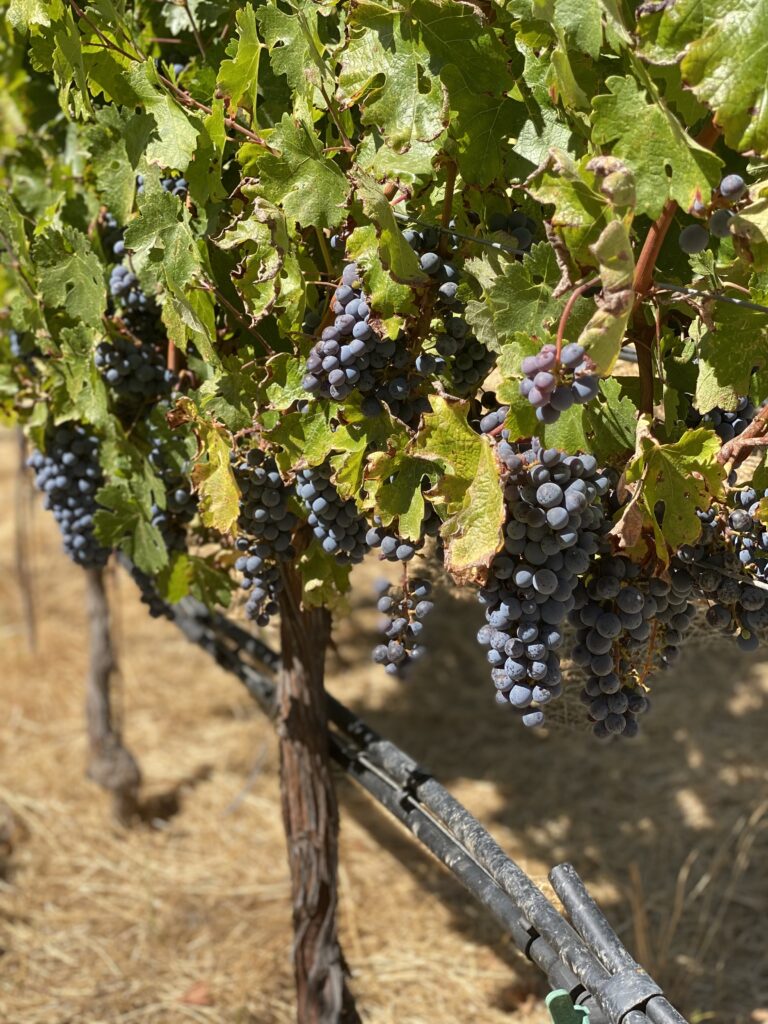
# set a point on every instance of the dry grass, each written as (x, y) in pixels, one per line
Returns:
(189, 920)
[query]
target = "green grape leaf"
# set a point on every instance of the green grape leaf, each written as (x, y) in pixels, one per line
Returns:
(323, 579)
(447, 437)
(115, 173)
(675, 480)
(294, 44)
(161, 236)
(474, 534)
(122, 521)
(733, 345)
(727, 68)
(286, 373)
(390, 301)
(191, 574)
(581, 211)
(306, 438)
(23, 14)
(297, 175)
(479, 124)
(71, 275)
(385, 70)
(238, 77)
(397, 256)
(603, 336)
(394, 486)
(667, 163)
(68, 67)
(749, 228)
(517, 297)
(175, 141)
(84, 388)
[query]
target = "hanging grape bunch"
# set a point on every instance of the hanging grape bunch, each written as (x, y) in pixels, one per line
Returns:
(459, 355)
(405, 612)
(134, 373)
(335, 521)
(267, 526)
(552, 385)
(694, 238)
(522, 228)
(554, 518)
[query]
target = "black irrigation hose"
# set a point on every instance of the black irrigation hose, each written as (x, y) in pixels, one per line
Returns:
(586, 958)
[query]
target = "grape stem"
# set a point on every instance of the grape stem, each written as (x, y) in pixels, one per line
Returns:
(752, 437)
(568, 309)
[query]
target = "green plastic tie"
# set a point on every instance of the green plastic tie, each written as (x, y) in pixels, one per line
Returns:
(562, 1010)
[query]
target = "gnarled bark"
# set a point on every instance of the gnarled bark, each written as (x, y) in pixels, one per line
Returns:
(110, 764)
(310, 813)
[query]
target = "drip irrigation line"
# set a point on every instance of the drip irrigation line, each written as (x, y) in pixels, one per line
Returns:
(450, 832)
(666, 286)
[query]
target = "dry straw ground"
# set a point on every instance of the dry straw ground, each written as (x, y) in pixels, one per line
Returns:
(188, 919)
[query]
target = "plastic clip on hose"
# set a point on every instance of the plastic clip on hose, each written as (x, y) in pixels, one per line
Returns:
(562, 1011)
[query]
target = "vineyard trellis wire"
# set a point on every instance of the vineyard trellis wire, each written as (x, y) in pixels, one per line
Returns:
(582, 956)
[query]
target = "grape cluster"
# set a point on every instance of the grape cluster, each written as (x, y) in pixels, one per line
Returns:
(726, 425)
(125, 289)
(403, 625)
(69, 475)
(554, 518)
(733, 544)
(493, 419)
(628, 626)
(695, 237)
(394, 548)
(460, 356)
(517, 224)
(349, 356)
(168, 458)
(335, 521)
(135, 373)
(552, 386)
(267, 525)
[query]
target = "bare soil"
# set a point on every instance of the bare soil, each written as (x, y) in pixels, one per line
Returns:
(187, 918)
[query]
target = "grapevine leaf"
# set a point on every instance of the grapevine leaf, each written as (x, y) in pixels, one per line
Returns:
(173, 582)
(750, 227)
(396, 485)
(391, 301)
(68, 67)
(323, 579)
(385, 69)
(581, 211)
(71, 275)
(447, 437)
(568, 432)
(176, 138)
(238, 78)
(671, 481)
(474, 534)
(306, 438)
(115, 172)
(84, 387)
(299, 177)
(161, 233)
(734, 344)
(286, 374)
(122, 522)
(294, 44)
(208, 584)
(668, 164)
(727, 68)
(604, 334)
(517, 299)
(23, 14)
(397, 256)
(212, 474)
